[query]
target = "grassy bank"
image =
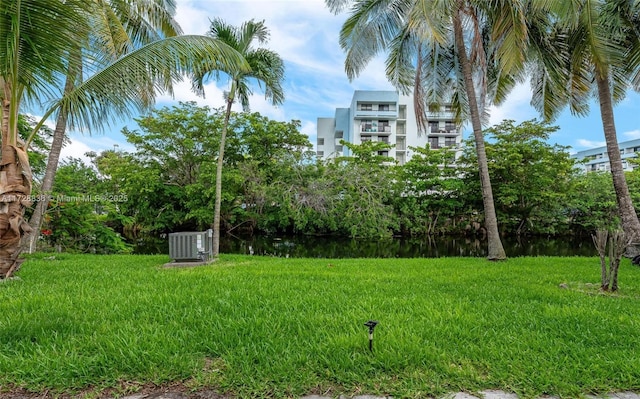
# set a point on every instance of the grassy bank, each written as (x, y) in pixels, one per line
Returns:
(278, 327)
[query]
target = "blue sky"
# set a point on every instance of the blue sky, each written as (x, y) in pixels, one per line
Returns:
(305, 34)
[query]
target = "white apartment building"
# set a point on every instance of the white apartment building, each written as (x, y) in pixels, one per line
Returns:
(386, 116)
(597, 159)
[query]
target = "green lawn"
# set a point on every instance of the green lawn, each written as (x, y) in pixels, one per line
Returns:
(256, 327)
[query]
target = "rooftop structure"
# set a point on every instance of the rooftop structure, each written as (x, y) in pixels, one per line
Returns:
(386, 116)
(597, 159)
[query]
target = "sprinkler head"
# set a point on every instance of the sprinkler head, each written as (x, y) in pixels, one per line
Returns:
(371, 324)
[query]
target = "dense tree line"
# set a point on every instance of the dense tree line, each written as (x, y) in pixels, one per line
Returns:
(272, 182)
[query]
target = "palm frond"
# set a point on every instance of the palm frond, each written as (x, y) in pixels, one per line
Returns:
(251, 31)
(226, 33)
(337, 6)
(36, 35)
(114, 92)
(268, 68)
(369, 30)
(400, 63)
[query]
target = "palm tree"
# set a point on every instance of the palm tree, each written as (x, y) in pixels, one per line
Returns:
(427, 44)
(600, 41)
(120, 27)
(266, 67)
(41, 38)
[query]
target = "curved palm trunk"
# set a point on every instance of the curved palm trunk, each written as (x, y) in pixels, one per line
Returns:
(47, 183)
(216, 215)
(15, 189)
(495, 250)
(628, 216)
(57, 142)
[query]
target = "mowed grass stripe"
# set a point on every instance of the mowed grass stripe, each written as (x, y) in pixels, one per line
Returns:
(260, 326)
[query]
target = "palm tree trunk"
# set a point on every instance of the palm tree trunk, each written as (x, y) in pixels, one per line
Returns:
(216, 214)
(628, 216)
(57, 142)
(15, 189)
(47, 184)
(495, 250)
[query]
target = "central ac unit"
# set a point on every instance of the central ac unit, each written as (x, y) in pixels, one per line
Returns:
(191, 246)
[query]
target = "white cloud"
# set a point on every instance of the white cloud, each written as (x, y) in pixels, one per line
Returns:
(633, 134)
(516, 106)
(583, 143)
(76, 149)
(309, 128)
(79, 146)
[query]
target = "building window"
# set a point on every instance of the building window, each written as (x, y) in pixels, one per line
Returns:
(448, 108)
(449, 126)
(364, 139)
(320, 141)
(383, 153)
(403, 112)
(449, 141)
(383, 107)
(433, 143)
(384, 126)
(366, 126)
(320, 153)
(434, 126)
(366, 107)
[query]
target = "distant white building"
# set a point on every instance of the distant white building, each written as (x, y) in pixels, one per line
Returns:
(597, 159)
(386, 116)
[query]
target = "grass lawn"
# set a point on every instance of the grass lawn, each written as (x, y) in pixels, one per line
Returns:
(273, 327)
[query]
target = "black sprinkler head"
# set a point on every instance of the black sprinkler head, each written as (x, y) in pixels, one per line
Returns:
(371, 324)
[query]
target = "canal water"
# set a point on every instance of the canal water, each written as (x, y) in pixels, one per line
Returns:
(422, 247)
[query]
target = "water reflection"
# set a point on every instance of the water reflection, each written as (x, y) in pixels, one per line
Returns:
(423, 247)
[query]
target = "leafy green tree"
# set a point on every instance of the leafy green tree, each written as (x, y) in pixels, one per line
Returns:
(598, 43)
(475, 48)
(592, 204)
(266, 67)
(268, 155)
(350, 196)
(532, 179)
(427, 192)
(166, 177)
(368, 153)
(79, 214)
(118, 28)
(35, 60)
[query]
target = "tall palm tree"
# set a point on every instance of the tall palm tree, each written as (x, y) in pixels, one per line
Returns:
(38, 37)
(266, 67)
(473, 47)
(118, 27)
(600, 40)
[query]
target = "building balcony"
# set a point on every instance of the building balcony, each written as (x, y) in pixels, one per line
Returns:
(448, 115)
(379, 129)
(443, 132)
(360, 114)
